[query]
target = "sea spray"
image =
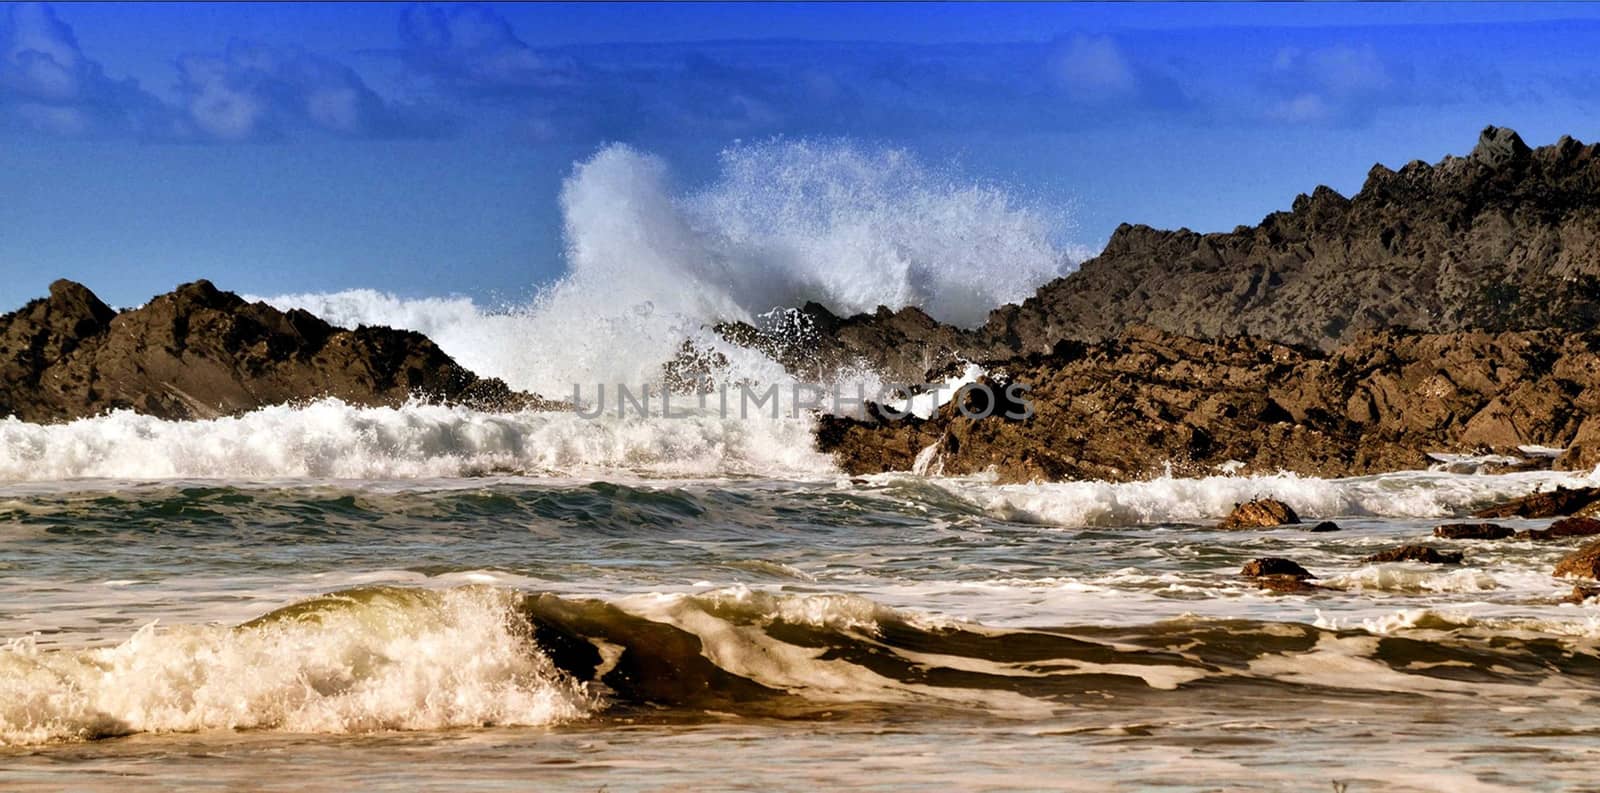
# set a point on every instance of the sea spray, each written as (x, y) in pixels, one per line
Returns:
(650, 266)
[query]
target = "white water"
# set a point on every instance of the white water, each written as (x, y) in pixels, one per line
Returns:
(649, 265)
(410, 660)
(334, 440)
(1402, 494)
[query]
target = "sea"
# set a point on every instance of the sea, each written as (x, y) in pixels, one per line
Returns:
(325, 596)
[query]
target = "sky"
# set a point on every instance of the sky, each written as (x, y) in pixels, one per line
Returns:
(422, 149)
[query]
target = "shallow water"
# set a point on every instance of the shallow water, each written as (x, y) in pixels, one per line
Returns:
(887, 632)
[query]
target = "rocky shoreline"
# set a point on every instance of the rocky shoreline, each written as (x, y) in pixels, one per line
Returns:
(1446, 308)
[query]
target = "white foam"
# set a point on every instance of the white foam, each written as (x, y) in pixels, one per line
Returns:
(332, 439)
(395, 660)
(1416, 494)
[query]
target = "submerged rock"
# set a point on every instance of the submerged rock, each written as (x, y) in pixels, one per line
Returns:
(198, 353)
(1582, 563)
(1274, 566)
(1473, 531)
(1564, 528)
(1415, 553)
(1260, 513)
(1325, 526)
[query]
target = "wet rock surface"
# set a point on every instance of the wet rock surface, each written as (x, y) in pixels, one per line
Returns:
(1563, 529)
(1260, 513)
(1274, 566)
(198, 352)
(1415, 553)
(1473, 531)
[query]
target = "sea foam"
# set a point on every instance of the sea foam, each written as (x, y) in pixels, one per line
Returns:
(335, 440)
(379, 659)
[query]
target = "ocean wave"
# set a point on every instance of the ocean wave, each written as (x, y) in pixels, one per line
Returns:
(331, 439)
(392, 658)
(359, 661)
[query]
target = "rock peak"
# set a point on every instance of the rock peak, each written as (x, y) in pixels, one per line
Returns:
(1498, 146)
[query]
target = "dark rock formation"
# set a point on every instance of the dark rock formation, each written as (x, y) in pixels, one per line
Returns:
(1323, 527)
(1415, 553)
(1562, 529)
(1507, 238)
(1260, 513)
(1150, 402)
(1582, 563)
(200, 353)
(1473, 531)
(1548, 504)
(1272, 565)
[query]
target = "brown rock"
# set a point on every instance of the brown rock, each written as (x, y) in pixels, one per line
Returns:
(1473, 531)
(1274, 566)
(1566, 527)
(198, 352)
(1581, 593)
(1415, 553)
(1324, 526)
(1582, 563)
(1549, 504)
(1260, 513)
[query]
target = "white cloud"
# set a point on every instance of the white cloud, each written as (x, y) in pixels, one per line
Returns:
(1093, 67)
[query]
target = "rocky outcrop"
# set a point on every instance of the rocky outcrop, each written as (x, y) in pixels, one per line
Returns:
(1260, 513)
(1415, 553)
(1507, 238)
(198, 352)
(1151, 402)
(1563, 529)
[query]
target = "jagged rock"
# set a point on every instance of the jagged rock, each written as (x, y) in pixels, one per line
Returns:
(1553, 503)
(198, 352)
(1564, 528)
(1260, 513)
(1150, 403)
(1498, 147)
(1473, 531)
(1415, 553)
(1274, 566)
(1323, 527)
(1505, 239)
(1582, 563)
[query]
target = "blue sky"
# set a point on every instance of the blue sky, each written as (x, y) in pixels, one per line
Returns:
(421, 149)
